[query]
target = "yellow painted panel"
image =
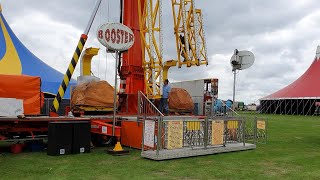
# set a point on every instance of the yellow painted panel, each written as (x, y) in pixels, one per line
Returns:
(193, 126)
(261, 124)
(217, 132)
(232, 124)
(175, 134)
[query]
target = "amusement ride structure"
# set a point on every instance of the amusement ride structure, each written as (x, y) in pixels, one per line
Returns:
(142, 69)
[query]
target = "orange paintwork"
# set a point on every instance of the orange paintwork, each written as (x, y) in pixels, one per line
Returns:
(131, 134)
(23, 87)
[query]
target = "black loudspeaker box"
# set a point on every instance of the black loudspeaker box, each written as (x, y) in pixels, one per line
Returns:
(60, 138)
(81, 137)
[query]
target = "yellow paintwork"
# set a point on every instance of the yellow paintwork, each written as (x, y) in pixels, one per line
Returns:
(188, 55)
(10, 63)
(152, 57)
(167, 66)
(232, 124)
(66, 78)
(118, 147)
(86, 60)
(155, 70)
(193, 126)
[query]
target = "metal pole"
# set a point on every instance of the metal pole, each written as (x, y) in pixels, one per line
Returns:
(142, 143)
(255, 131)
(243, 131)
(115, 94)
(212, 106)
(93, 15)
(139, 108)
(266, 121)
(65, 82)
(206, 138)
(158, 136)
(234, 89)
(160, 133)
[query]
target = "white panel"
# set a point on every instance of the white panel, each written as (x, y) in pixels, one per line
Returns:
(149, 127)
(11, 107)
(194, 88)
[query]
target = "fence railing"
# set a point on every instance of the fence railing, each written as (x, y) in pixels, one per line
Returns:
(223, 110)
(151, 117)
(163, 134)
(176, 132)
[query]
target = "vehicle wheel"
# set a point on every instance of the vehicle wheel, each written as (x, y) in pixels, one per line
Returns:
(102, 140)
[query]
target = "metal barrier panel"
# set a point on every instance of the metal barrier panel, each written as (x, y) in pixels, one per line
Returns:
(174, 132)
(180, 132)
(230, 130)
(171, 137)
(152, 124)
(168, 137)
(261, 132)
(250, 130)
(256, 130)
(149, 141)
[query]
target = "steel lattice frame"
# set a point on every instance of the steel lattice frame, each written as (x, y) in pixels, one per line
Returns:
(150, 21)
(188, 23)
(289, 106)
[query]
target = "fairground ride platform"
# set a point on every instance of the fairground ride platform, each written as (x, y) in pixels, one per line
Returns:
(166, 154)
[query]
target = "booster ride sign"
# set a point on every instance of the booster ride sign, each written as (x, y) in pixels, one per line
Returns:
(115, 36)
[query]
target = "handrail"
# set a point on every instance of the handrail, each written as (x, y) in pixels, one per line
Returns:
(154, 108)
(228, 107)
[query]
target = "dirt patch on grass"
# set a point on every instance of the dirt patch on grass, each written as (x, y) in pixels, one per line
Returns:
(160, 173)
(209, 162)
(272, 169)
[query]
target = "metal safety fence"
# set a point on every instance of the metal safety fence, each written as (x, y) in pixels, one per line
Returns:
(151, 117)
(175, 136)
(256, 130)
(172, 133)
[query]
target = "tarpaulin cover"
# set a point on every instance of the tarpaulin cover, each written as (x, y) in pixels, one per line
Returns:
(26, 88)
(180, 99)
(97, 94)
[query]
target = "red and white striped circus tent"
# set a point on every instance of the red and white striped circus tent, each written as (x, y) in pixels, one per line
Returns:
(300, 97)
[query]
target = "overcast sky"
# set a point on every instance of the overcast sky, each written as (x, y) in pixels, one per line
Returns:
(283, 35)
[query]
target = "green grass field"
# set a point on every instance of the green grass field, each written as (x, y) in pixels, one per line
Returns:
(292, 152)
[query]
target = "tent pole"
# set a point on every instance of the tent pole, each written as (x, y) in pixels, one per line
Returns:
(304, 106)
(234, 91)
(299, 106)
(293, 112)
(281, 107)
(309, 111)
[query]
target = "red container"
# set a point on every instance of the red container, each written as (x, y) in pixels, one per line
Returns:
(16, 148)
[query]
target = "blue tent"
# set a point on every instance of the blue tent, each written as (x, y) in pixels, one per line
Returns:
(16, 59)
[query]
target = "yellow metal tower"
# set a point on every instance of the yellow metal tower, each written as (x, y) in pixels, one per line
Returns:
(190, 37)
(151, 41)
(190, 41)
